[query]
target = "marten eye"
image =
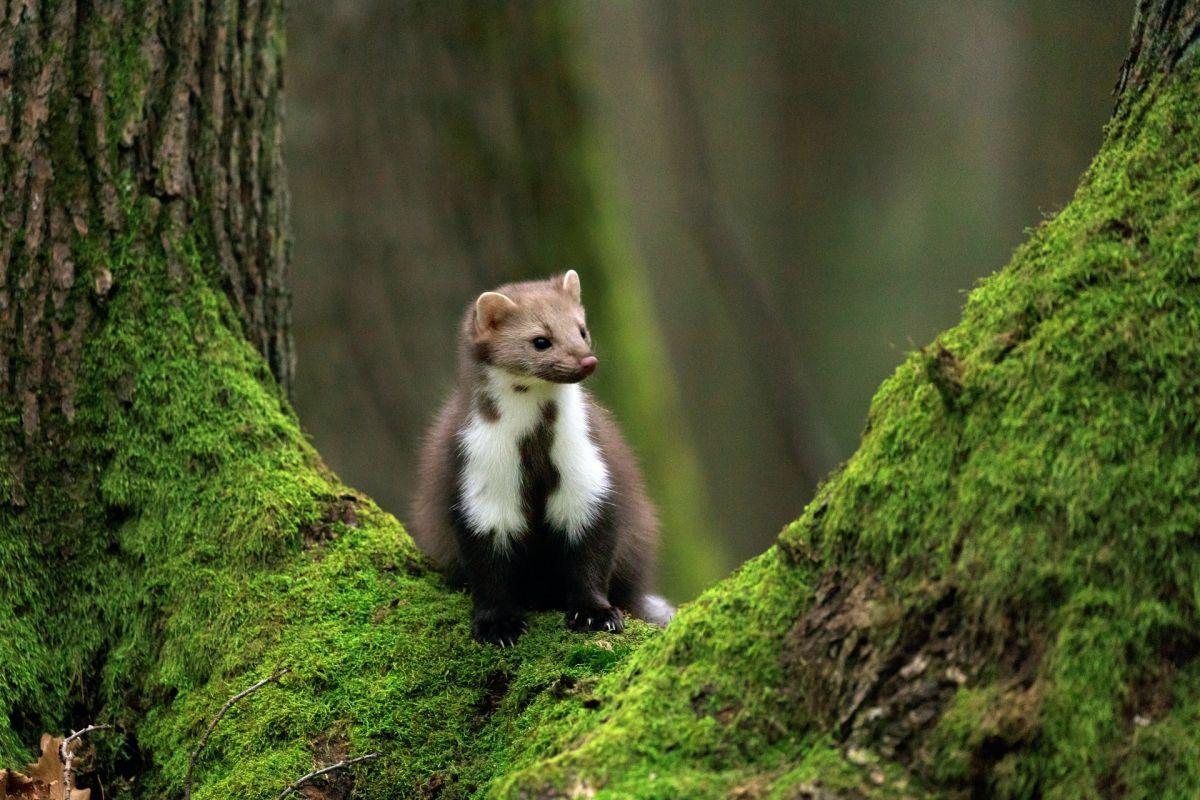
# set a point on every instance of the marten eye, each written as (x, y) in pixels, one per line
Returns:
(583, 331)
(541, 343)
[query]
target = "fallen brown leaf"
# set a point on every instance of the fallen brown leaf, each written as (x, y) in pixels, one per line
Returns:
(45, 778)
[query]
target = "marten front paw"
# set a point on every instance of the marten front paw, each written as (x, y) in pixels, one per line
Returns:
(500, 628)
(596, 618)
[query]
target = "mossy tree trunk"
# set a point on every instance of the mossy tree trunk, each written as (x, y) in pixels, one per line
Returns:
(102, 106)
(996, 596)
(138, 138)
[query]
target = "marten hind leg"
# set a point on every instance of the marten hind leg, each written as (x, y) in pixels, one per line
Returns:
(631, 596)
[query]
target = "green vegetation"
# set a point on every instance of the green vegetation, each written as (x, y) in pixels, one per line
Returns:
(1018, 519)
(1041, 463)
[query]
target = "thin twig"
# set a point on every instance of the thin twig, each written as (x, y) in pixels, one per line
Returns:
(66, 756)
(187, 781)
(295, 786)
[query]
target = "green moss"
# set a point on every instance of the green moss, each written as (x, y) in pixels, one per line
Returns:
(215, 546)
(1062, 479)
(124, 68)
(190, 527)
(694, 708)
(218, 485)
(825, 767)
(1162, 758)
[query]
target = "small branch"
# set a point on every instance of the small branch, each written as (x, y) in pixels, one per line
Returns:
(66, 756)
(295, 786)
(187, 781)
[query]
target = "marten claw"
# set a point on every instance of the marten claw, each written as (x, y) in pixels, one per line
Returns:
(596, 619)
(500, 630)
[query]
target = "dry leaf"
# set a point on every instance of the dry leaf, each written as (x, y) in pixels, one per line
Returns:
(45, 778)
(15, 786)
(49, 767)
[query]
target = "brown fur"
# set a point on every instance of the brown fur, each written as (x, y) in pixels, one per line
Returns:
(499, 334)
(543, 308)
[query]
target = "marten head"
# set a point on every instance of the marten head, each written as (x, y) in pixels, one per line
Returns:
(534, 330)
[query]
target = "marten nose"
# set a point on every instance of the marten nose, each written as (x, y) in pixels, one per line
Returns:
(587, 365)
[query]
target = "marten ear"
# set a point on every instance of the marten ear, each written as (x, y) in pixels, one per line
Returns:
(490, 310)
(570, 285)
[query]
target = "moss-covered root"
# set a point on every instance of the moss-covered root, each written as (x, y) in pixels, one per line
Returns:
(382, 660)
(700, 712)
(997, 596)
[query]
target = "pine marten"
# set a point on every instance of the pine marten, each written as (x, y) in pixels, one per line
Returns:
(527, 494)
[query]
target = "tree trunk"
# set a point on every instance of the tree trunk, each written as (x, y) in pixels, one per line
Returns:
(139, 164)
(102, 108)
(995, 597)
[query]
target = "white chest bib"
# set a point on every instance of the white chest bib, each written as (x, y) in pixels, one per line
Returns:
(492, 475)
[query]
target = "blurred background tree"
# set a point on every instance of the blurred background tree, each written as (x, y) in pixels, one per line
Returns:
(711, 169)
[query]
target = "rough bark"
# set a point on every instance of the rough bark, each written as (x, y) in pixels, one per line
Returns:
(133, 133)
(108, 103)
(995, 597)
(1165, 32)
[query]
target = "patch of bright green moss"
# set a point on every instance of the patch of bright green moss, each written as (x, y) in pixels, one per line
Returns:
(694, 708)
(1063, 477)
(206, 558)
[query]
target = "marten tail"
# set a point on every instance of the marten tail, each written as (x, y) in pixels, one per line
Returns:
(653, 608)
